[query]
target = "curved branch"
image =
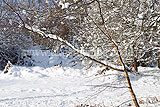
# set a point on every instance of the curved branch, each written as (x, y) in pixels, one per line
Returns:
(57, 38)
(108, 35)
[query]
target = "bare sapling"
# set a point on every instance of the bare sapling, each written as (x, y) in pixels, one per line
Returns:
(120, 58)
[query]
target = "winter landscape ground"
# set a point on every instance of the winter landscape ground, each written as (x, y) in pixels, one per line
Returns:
(60, 86)
(58, 49)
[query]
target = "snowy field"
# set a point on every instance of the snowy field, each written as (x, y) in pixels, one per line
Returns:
(67, 87)
(48, 84)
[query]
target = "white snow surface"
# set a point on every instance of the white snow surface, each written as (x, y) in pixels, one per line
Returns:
(53, 82)
(67, 87)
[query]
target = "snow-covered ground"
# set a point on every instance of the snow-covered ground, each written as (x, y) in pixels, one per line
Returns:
(52, 82)
(67, 87)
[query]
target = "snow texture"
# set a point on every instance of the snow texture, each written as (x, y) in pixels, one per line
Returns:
(67, 87)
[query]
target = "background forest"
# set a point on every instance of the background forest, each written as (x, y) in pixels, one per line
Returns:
(133, 24)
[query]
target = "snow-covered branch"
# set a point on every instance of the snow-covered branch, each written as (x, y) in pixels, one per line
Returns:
(59, 39)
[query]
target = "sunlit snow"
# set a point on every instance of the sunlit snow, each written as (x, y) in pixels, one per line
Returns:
(51, 85)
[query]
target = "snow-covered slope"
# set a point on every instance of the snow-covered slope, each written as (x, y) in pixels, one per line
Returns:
(67, 87)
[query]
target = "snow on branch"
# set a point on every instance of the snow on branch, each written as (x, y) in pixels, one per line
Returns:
(59, 39)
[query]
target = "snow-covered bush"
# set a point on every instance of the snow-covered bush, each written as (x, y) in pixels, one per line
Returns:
(14, 54)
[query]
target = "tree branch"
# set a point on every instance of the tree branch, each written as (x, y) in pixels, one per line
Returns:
(57, 38)
(14, 11)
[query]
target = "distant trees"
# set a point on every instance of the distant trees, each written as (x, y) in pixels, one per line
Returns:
(133, 24)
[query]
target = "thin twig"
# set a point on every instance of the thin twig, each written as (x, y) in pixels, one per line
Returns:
(14, 11)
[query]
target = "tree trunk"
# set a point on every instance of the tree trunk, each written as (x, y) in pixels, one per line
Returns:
(158, 64)
(130, 89)
(120, 58)
(135, 64)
